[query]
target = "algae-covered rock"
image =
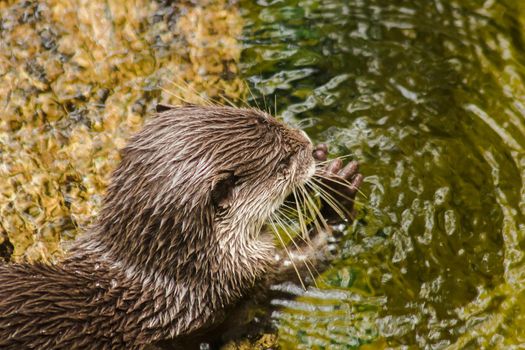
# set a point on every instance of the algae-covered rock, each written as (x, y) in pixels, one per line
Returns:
(77, 78)
(263, 342)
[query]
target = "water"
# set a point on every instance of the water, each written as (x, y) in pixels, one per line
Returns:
(428, 96)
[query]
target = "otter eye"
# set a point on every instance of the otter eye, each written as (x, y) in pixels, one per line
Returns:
(261, 120)
(222, 191)
(284, 163)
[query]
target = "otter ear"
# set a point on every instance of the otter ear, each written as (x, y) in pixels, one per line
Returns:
(222, 189)
(163, 108)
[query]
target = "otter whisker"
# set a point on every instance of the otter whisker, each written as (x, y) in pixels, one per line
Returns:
(295, 212)
(305, 261)
(323, 162)
(266, 109)
(335, 179)
(303, 225)
(341, 181)
(275, 104)
(316, 213)
(228, 100)
(207, 101)
(291, 214)
(299, 212)
(289, 225)
(329, 197)
(288, 214)
(290, 208)
(301, 219)
(251, 93)
(307, 205)
(305, 241)
(173, 94)
(316, 210)
(291, 237)
(289, 255)
(330, 200)
(301, 238)
(329, 188)
(219, 102)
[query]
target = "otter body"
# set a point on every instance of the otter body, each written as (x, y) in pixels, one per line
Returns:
(177, 240)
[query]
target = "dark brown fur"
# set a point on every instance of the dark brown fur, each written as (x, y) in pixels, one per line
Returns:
(176, 242)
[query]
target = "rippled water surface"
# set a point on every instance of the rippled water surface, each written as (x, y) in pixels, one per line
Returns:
(429, 97)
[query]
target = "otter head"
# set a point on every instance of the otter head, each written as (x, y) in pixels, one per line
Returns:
(195, 178)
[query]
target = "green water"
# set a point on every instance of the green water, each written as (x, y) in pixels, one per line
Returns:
(429, 97)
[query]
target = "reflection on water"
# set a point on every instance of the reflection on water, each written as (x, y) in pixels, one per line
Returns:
(429, 97)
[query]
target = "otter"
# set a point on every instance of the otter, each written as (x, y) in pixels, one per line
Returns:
(178, 239)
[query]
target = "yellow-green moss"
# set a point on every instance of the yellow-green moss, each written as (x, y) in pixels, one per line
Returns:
(77, 78)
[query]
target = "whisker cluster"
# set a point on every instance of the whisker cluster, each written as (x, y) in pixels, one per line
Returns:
(186, 93)
(302, 213)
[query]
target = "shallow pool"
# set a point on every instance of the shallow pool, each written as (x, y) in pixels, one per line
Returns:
(429, 97)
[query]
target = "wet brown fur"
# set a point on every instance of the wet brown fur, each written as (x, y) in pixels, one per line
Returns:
(176, 242)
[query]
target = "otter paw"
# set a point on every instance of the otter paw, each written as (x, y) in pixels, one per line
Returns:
(341, 183)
